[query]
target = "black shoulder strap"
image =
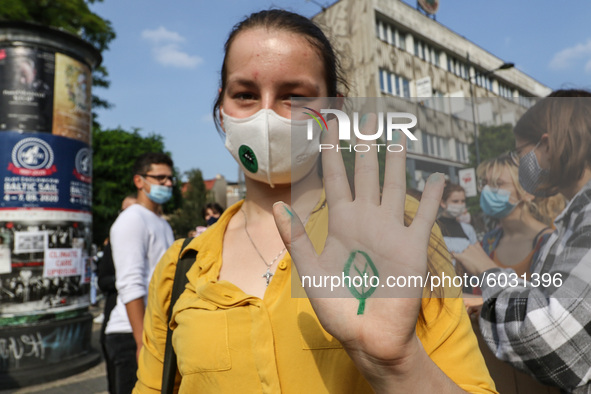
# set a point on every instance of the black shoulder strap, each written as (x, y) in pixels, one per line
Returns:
(180, 280)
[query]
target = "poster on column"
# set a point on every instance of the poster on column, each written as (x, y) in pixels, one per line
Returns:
(41, 272)
(5, 266)
(26, 89)
(34, 175)
(71, 109)
(62, 263)
(29, 241)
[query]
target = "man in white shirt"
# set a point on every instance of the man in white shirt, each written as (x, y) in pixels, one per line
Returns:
(139, 237)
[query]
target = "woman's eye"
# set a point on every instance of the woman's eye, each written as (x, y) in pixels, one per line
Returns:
(299, 101)
(244, 96)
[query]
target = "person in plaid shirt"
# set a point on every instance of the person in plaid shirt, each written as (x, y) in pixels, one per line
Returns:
(543, 325)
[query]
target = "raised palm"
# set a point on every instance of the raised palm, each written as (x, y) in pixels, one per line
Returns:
(374, 322)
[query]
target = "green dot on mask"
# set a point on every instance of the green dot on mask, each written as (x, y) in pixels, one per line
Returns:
(248, 158)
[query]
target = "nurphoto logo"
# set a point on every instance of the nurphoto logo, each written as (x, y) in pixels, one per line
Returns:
(391, 120)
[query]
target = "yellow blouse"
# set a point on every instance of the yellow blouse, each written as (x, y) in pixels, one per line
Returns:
(227, 341)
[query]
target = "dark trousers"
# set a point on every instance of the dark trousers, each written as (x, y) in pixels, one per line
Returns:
(110, 302)
(121, 362)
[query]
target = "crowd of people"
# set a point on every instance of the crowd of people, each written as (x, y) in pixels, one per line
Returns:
(236, 324)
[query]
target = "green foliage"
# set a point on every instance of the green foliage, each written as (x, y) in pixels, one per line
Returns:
(493, 141)
(73, 16)
(115, 151)
(194, 199)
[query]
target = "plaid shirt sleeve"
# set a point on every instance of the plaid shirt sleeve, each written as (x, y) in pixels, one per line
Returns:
(543, 326)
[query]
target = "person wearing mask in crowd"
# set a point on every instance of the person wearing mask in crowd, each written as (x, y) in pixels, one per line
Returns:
(456, 234)
(539, 322)
(521, 231)
(236, 326)
(211, 213)
(106, 282)
(139, 237)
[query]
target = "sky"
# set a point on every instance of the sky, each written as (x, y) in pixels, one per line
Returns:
(164, 64)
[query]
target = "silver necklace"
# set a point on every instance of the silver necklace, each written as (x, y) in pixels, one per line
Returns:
(267, 275)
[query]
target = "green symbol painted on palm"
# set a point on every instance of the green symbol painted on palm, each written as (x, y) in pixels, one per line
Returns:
(364, 267)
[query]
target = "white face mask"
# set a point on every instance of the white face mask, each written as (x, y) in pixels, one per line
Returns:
(263, 145)
(455, 210)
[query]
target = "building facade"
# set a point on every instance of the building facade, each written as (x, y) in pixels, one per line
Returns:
(389, 49)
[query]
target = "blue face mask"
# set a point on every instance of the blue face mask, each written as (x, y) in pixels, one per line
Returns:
(495, 203)
(159, 194)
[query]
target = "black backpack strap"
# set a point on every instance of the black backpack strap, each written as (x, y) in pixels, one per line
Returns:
(180, 280)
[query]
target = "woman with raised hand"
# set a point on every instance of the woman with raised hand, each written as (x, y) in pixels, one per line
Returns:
(540, 323)
(236, 326)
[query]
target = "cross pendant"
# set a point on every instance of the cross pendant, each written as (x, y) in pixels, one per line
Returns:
(267, 275)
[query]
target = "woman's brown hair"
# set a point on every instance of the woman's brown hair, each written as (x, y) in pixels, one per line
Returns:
(281, 20)
(449, 189)
(565, 115)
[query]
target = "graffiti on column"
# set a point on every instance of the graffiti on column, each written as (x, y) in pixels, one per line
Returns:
(45, 345)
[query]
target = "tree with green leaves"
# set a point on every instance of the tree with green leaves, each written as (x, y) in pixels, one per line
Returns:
(115, 151)
(493, 141)
(189, 215)
(73, 16)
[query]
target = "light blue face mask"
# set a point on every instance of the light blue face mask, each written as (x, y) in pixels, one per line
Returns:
(495, 203)
(158, 193)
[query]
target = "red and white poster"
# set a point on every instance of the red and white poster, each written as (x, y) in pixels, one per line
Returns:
(468, 181)
(62, 262)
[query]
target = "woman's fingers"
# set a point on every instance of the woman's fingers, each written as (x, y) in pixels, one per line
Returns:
(394, 191)
(427, 213)
(294, 236)
(335, 176)
(367, 174)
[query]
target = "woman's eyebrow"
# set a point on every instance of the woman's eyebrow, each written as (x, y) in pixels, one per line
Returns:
(244, 82)
(249, 83)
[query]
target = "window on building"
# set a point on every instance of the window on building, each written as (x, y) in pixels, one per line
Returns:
(389, 33)
(426, 52)
(525, 101)
(401, 40)
(405, 87)
(505, 91)
(462, 152)
(381, 31)
(393, 84)
(436, 146)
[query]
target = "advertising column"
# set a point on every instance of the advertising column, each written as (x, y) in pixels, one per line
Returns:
(45, 203)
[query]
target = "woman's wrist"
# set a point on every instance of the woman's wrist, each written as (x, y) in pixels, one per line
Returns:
(384, 375)
(414, 372)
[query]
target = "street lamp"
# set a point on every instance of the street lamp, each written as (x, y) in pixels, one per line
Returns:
(503, 66)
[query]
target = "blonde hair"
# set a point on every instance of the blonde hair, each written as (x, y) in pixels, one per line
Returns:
(544, 210)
